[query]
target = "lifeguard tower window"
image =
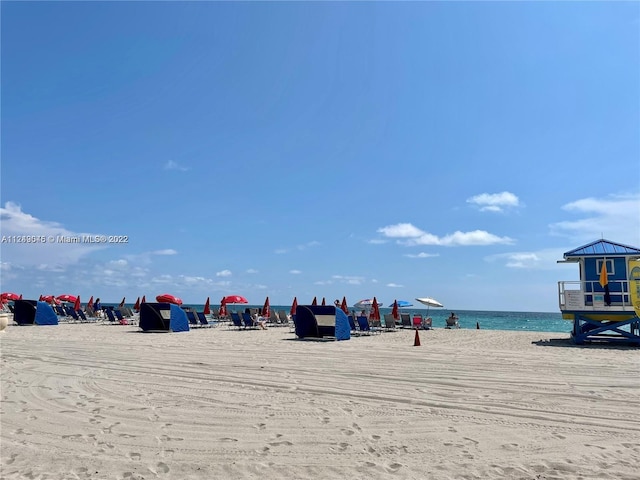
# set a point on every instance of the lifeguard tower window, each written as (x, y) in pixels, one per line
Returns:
(610, 269)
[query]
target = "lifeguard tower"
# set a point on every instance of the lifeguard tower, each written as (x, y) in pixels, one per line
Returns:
(604, 304)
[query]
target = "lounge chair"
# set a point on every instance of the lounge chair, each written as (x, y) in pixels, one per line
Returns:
(236, 320)
(71, 313)
(427, 323)
(389, 322)
(193, 322)
(405, 320)
(203, 319)
(363, 325)
(273, 318)
(417, 321)
(452, 322)
(376, 325)
(248, 320)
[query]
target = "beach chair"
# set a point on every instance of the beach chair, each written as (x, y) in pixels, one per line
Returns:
(71, 313)
(353, 326)
(236, 320)
(376, 325)
(248, 320)
(110, 315)
(203, 319)
(452, 322)
(273, 318)
(405, 320)
(363, 325)
(389, 322)
(121, 319)
(417, 321)
(193, 322)
(427, 323)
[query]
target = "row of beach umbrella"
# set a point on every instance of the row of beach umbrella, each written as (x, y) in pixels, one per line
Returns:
(370, 304)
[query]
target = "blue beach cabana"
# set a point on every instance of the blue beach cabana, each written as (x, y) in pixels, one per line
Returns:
(318, 321)
(604, 304)
(33, 312)
(162, 317)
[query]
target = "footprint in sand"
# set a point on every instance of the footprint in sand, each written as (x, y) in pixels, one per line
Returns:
(12, 458)
(347, 431)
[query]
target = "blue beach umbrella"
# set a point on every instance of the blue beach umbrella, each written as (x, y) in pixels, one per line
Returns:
(403, 304)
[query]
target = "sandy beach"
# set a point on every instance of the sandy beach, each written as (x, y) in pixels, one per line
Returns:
(87, 401)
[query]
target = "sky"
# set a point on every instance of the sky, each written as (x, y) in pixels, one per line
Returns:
(450, 150)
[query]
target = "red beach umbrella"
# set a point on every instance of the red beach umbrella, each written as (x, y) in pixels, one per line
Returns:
(294, 306)
(144, 299)
(136, 307)
(344, 307)
(235, 299)
(90, 303)
(40, 298)
(375, 310)
(207, 308)
(266, 310)
(20, 297)
(323, 302)
(6, 296)
(50, 299)
(121, 303)
(394, 312)
(315, 301)
(223, 308)
(76, 304)
(67, 298)
(168, 298)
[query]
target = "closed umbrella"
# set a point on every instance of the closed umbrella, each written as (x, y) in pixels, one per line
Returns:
(136, 307)
(315, 301)
(344, 307)
(122, 303)
(207, 307)
(223, 308)
(375, 310)
(266, 309)
(394, 312)
(90, 303)
(294, 306)
(324, 303)
(76, 304)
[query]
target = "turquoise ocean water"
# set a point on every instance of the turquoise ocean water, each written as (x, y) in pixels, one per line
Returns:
(524, 321)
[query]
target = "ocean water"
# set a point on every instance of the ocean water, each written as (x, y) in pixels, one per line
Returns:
(524, 321)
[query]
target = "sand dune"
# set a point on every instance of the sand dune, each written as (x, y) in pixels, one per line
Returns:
(90, 401)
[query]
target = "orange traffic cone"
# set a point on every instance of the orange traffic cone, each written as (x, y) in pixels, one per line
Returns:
(416, 341)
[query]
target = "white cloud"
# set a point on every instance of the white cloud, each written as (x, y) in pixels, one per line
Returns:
(422, 255)
(252, 270)
(401, 230)
(616, 218)
(223, 273)
(166, 251)
(394, 285)
(412, 235)
(494, 202)
(546, 259)
(349, 279)
(49, 250)
(295, 272)
(171, 165)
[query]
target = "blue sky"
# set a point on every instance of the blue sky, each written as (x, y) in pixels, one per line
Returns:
(445, 149)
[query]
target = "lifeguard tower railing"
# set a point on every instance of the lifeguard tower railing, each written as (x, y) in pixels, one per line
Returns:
(589, 296)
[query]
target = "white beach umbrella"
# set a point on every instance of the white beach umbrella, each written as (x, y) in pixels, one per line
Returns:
(430, 302)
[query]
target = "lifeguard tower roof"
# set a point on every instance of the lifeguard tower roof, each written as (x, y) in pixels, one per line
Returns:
(601, 248)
